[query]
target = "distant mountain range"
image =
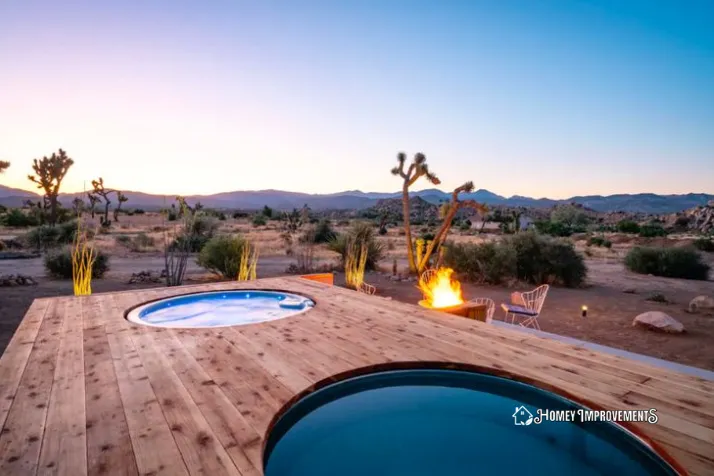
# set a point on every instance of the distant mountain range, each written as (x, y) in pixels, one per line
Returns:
(355, 199)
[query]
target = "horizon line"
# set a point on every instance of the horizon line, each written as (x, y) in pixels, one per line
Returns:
(360, 191)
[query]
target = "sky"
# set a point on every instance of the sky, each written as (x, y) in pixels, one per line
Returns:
(541, 98)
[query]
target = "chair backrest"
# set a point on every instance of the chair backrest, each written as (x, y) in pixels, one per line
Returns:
(490, 306)
(427, 275)
(534, 299)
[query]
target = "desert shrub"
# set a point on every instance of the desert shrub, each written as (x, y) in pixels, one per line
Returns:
(222, 255)
(360, 233)
(427, 236)
(599, 241)
(139, 211)
(547, 260)
(2, 245)
(553, 228)
(482, 262)
(569, 216)
(189, 242)
(239, 214)
(172, 215)
(137, 243)
(59, 264)
(259, 220)
(204, 226)
(320, 233)
(18, 219)
(652, 231)
(526, 256)
(628, 226)
(704, 244)
(465, 225)
(123, 240)
(683, 263)
(46, 236)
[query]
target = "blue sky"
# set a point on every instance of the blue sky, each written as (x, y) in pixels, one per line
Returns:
(539, 98)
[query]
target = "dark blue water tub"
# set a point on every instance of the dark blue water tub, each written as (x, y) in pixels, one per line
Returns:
(446, 422)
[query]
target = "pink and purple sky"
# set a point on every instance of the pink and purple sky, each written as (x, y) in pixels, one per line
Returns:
(552, 98)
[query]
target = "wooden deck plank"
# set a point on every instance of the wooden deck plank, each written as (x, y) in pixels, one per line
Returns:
(21, 436)
(109, 449)
(231, 428)
(223, 386)
(153, 443)
(201, 451)
(64, 444)
(17, 353)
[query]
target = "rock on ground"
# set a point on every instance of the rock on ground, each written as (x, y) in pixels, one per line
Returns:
(701, 304)
(659, 321)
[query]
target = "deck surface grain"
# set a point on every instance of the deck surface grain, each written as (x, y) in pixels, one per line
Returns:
(83, 391)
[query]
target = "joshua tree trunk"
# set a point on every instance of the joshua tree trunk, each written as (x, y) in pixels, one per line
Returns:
(453, 207)
(408, 228)
(417, 168)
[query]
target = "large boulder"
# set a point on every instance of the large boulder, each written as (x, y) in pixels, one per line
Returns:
(701, 304)
(658, 321)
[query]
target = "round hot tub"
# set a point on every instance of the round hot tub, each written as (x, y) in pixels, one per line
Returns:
(220, 309)
(446, 422)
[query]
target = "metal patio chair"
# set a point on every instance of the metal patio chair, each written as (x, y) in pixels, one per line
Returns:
(528, 309)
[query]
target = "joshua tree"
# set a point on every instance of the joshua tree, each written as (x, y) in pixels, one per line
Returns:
(3, 166)
(101, 191)
(121, 198)
(78, 206)
(448, 212)
(93, 200)
(418, 168)
(49, 173)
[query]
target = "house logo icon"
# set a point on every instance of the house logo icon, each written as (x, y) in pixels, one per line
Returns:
(522, 416)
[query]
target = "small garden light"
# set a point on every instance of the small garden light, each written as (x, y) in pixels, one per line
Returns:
(584, 311)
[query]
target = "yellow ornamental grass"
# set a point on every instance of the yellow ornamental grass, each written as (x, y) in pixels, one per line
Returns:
(83, 257)
(355, 263)
(248, 263)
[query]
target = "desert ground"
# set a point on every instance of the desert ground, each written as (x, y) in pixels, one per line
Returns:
(614, 296)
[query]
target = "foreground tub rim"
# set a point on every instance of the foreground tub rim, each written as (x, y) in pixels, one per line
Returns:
(132, 313)
(630, 429)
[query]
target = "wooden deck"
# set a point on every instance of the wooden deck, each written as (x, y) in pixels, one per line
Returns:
(83, 391)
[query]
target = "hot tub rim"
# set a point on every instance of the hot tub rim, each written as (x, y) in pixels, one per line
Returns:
(125, 314)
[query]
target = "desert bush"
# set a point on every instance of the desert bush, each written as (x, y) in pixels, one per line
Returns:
(599, 241)
(139, 211)
(46, 236)
(360, 233)
(704, 244)
(488, 262)
(138, 243)
(59, 264)
(259, 220)
(172, 215)
(239, 214)
(18, 219)
(683, 263)
(628, 226)
(189, 242)
(322, 232)
(222, 255)
(570, 216)
(553, 228)
(526, 256)
(652, 231)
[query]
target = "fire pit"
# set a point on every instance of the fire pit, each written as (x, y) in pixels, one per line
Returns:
(442, 292)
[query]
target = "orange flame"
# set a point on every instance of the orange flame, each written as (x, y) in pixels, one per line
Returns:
(441, 290)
